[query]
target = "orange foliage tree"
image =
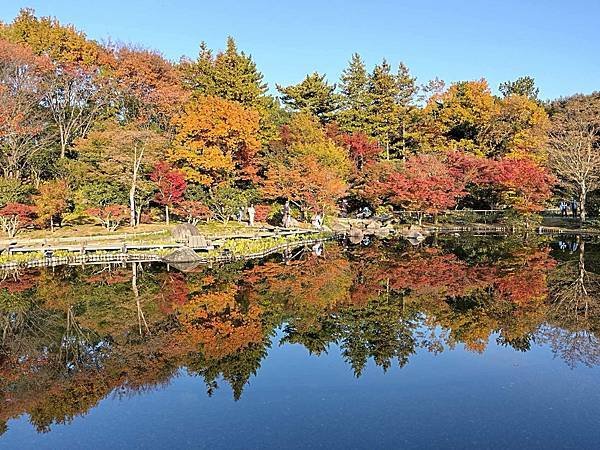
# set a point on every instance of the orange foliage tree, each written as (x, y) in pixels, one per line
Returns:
(150, 84)
(52, 202)
(216, 140)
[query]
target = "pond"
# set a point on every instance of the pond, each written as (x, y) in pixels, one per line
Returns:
(460, 341)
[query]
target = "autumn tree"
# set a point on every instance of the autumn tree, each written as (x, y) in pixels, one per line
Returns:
(171, 186)
(306, 166)
(75, 91)
(24, 125)
(193, 211)
(216, 140)
(16, 216)
(467, 117)
(232, 75)
(62, 43)
(518, 128)
(312, 95)
(524, 185)
(362, 149)
(111, 216)
(149, 85)
(459, 115)
(119, 153)
(52, 202)
(424, 184)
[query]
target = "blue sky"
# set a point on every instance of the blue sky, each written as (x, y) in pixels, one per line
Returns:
(556, 42)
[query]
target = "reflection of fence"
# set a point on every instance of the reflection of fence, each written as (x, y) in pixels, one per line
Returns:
(487, 215)
(105, 258)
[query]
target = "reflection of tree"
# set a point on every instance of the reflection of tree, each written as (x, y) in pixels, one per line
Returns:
(72, 336)
(573, 346)
(574, 311)
(574, 291)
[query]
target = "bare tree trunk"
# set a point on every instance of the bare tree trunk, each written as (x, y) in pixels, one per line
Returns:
(63, 144)
(582, 198)
(136, 294)
(132, 205)
(137, 161)
(167, 214)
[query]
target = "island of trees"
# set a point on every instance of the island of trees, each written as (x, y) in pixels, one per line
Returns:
(117, 134)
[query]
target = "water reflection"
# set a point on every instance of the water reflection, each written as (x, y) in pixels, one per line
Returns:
(73, 335)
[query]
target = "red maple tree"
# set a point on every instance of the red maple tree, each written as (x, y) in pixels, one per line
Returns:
(171, 186)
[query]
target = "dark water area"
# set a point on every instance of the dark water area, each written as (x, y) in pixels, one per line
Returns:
(458, 342)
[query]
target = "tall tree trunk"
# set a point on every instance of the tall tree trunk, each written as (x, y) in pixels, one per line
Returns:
(132, 205)
(167, 214)
(137, 161)
(582, 197)
(63, 143)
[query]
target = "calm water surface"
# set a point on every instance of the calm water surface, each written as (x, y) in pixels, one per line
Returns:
(458, 342)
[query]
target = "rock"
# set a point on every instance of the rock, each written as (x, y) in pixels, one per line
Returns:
(340, 227)
(182, 231)
(373, 225)
(382, 232)
(182, 255)
(197, 241)
(355, 236)
(415, 237)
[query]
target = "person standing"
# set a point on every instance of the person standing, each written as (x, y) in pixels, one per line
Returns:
(574, 207)
(251, 211)
(317, 221)
(563, 208)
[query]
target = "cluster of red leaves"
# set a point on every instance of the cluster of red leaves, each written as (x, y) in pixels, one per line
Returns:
(191, 210)
(112, 212)
(24, 213)
(432, 183)
(170, 182)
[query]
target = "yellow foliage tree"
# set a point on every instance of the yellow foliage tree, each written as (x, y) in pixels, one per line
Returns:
(216, 140)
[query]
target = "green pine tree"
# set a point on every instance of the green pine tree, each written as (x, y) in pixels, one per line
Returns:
(313, 95)
(407, 95)
(384, 110)
(230, 74)
(354, 99)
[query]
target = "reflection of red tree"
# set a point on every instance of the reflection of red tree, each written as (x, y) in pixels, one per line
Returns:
(432, 272)
(174, 292)
(525, 281)
(19, 282)
(113, 276)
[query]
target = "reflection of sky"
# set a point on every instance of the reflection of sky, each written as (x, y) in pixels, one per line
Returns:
(501, 398)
